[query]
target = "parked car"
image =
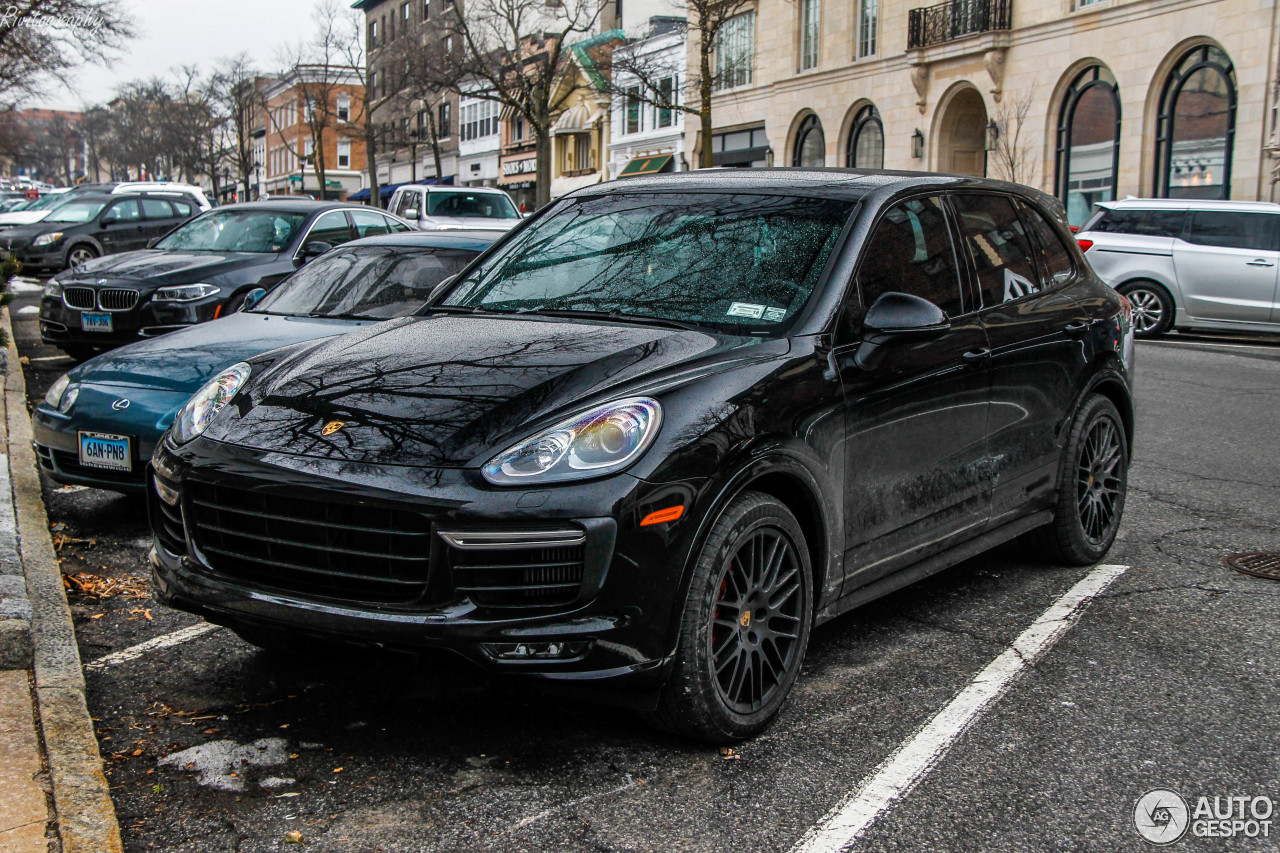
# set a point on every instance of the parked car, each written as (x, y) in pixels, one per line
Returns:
(90, 226)
(436, 207)
(38, 210)
(200, 270)
(649, 439)
(1189, 264)
(100, 422)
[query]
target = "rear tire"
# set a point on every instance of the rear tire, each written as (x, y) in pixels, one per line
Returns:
(745, 626)
(1152, 308)
(1092, 485)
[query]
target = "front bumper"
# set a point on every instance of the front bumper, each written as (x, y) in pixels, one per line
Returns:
(61, 324)
(618, 626)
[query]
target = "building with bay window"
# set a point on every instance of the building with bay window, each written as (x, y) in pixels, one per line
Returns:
(1087, 99)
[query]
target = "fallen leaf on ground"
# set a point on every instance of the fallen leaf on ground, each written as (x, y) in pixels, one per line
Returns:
(293, 836)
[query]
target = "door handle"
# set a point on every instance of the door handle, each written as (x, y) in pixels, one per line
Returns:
(1260, 262)
(977, 356)
(1074, 329)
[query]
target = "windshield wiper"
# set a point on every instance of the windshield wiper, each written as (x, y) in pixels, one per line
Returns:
(615, 315)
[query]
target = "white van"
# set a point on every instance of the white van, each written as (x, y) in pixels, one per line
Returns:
(436, 208)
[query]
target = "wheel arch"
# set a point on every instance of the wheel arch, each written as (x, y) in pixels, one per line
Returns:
(1110, 385)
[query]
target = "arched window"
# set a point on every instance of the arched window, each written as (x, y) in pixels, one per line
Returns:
(811, 145)
(1088, 142)
(866, 140)
(1196, 128)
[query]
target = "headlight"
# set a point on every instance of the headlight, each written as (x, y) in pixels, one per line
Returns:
(193, 419)
(47, 239)
(185, 292)
(603, 440)
(53, 288)
(62, 394)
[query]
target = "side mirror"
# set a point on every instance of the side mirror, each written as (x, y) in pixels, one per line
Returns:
(896, 318)
(311, 250)
(151, 244)
(108, 219)
(410, 214)
(252, 298)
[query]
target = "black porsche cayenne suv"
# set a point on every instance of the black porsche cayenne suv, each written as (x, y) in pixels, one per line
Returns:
(648, 440)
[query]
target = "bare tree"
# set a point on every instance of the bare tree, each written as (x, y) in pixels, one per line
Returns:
(519, 53)
(421, 75)
(41, 41)
(235, 90)
(1014, 158)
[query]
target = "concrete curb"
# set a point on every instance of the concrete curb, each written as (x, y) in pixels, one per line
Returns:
(86, 816)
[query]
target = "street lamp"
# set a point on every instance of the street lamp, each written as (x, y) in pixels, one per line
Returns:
(917, 145)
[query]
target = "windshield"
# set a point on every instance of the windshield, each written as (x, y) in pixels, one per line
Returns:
(46, 201)
(470, 205)
(744, 263)
(76, 211)
(365, 281)
(236, 231)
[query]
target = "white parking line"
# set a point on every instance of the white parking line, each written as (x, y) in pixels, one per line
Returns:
(1169, 343)
(162, 642)
(898, 775)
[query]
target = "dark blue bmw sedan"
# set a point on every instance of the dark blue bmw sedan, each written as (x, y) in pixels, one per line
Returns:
(99, 423)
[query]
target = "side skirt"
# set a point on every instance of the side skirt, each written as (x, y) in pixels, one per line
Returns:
(931, 566)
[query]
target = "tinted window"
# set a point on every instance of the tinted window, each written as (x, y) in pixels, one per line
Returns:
(746, 263)
(183, 208)
(999, 246)
(236, 231)
(125, 211)
(368, 223)
(1145, 223)
(331, 228)
(396, 227)
(365, 281)
(910, 251)
(154, 208)
(1056, 265)
(1234, 230)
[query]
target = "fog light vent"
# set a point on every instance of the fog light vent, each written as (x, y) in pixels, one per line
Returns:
(553, 650)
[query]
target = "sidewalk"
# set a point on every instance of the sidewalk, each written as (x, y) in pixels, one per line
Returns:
(53, 793)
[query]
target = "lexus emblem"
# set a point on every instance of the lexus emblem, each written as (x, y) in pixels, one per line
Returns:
(120, 405)
(332, 426)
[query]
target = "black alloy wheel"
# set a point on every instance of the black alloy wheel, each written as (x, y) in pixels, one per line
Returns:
(1093, 480)
(745, 625)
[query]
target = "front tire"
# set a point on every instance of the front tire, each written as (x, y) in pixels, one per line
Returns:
(1093, 480)
(1152, 308)
(80, 253)
(745, 626)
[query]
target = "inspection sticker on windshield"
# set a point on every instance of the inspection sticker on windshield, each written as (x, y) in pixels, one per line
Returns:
(773, 315)
(746, 309)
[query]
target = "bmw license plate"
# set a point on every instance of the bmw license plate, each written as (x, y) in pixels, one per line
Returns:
(102, 450)
(95, 322)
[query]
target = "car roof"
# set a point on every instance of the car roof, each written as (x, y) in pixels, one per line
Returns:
(295, 205)
(470, 240)
(435, 188)
(1189, 204)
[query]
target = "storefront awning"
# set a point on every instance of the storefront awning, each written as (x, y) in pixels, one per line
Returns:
(579, 118)
(645, 165)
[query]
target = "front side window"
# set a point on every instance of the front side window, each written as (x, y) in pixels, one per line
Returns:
(735, 51)
(124, 211)
(1233, 230)
(740, 262)
(470, 205)
(999, 246)
(910, 251)
(1195, 130)
(236, 231)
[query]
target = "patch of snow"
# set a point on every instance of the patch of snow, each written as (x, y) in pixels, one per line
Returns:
(221, 764)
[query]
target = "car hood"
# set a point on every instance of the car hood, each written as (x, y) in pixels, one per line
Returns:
(186, 359)
(449, 390)
(21, 217)
(163, 267)
(472, 223)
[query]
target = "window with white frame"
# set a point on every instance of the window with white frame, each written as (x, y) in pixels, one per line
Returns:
(479, 120)
(582, 151)
(344, 154)
(810, 17)
(631, 111)
(735, 51)
(868, 26)
(344, 108)
(664, 113)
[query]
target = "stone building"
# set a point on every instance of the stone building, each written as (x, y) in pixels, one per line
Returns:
(1086, 99)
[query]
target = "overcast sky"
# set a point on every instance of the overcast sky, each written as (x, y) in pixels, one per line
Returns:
(183, 32)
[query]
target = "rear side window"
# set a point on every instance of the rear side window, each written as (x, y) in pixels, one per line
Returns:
(1233, 230)
(1056, 266)
(154, 208)
(910, 251)
(330, 228)
(1145, 223)
(370, 224)
(183, 208)
(999, 246)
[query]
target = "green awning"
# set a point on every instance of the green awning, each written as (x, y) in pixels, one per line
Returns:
(645, 166)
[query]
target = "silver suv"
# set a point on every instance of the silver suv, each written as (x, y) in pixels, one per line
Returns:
(1189, 264)
(441, 207)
